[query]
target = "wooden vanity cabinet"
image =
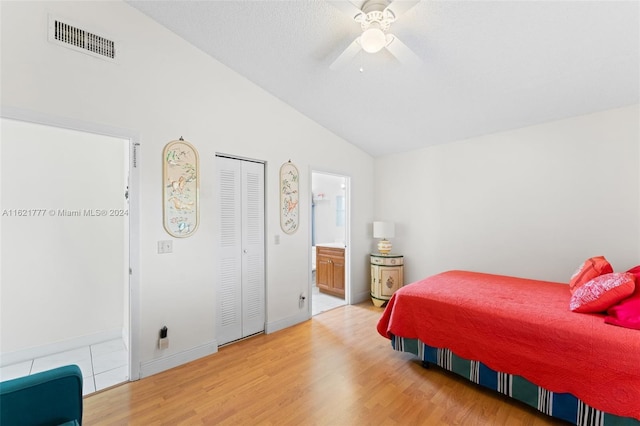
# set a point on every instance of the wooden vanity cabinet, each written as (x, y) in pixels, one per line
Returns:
(330, 270)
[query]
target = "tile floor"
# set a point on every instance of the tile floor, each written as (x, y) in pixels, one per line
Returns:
(321, 302)
(103, 365)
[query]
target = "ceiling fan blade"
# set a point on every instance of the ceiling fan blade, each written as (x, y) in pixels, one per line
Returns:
(398, 7)
(349, 53)
(347, 8)
(401, 51)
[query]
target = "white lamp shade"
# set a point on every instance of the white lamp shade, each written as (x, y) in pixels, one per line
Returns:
(383, 230)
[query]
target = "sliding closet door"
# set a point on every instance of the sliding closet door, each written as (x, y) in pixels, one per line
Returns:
(241, 292)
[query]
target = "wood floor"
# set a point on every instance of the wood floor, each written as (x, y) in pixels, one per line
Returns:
(332, 370)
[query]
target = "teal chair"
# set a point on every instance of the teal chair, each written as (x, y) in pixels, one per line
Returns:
(52, 397)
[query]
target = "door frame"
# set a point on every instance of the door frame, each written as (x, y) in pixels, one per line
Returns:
(134, 211)
(347, 235)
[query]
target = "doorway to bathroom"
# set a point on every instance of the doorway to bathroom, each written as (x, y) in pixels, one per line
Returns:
(329, 236)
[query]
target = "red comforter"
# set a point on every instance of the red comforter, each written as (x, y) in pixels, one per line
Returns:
(522, 327)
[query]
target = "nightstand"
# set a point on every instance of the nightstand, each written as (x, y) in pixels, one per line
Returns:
(387, 274)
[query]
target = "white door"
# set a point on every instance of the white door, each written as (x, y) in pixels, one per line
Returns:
(241, 283)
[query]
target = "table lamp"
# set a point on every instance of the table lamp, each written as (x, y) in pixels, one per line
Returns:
(384, 230)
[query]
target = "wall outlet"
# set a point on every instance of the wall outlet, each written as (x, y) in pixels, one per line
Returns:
(163, 343)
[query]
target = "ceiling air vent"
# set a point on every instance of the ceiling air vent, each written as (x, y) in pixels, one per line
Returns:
(78, 39)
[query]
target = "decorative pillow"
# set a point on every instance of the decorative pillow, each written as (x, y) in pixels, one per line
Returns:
(636, 272)
(591, 268)
(627, 312)
(602, 292)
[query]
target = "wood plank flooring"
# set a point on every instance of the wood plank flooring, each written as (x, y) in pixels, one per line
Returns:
(331, 370)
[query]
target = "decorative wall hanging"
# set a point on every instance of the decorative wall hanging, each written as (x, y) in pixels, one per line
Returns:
(289, 198)
(180, 188)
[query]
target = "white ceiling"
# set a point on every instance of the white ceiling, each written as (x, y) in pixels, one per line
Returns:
(487, 66)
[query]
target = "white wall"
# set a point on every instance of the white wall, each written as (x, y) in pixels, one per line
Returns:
(533, 202)
(163, 88)
(331, 187)
(62, 276)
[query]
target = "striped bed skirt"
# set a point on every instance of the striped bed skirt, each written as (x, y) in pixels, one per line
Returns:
(563, 406)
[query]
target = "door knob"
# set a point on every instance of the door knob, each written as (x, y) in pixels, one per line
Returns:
(245, 251)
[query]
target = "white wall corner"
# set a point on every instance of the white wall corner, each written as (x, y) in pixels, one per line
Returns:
(360, 297)
(156, 366)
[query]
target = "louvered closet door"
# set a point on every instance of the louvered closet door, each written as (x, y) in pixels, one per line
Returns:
(241, 300)
(252, 248)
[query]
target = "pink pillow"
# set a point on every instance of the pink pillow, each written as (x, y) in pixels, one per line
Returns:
(626, 313)
(591, 268)
(602, 292)
(636, 272)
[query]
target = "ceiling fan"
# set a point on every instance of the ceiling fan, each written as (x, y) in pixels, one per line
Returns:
(375, 18)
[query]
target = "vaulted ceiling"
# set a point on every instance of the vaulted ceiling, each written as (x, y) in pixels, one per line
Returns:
(486, 66)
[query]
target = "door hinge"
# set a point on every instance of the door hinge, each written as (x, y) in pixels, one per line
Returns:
(135, 154)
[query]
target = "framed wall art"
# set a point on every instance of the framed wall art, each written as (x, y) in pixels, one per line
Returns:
(289, 198)
(180, 188)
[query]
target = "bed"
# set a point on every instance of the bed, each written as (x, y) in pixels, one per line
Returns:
(517, 336)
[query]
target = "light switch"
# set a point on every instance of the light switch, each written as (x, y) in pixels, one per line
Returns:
(165, 246)
(276, 239)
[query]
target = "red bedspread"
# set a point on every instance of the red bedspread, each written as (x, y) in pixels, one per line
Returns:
(522, 327)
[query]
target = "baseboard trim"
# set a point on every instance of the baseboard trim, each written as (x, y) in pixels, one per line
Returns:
(156, 366)
(57, 347)
(272, 327)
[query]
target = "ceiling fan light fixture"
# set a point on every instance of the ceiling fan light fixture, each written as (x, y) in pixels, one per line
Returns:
(373, 40)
